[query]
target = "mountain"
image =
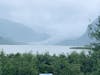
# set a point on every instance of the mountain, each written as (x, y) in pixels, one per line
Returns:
(19, 32)
(6, 41)
(83, 40)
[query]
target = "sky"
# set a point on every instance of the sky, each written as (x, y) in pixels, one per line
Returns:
(61, 19)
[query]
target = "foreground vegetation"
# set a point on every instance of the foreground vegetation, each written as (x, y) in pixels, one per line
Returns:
(29, 64)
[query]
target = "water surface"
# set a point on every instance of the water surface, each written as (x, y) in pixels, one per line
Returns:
(39, 49)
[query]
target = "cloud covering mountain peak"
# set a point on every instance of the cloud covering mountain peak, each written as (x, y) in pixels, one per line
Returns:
(58, 18)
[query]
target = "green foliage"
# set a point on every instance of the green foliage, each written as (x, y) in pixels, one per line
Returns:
(29, 64)
(94, 32)
(94, 29)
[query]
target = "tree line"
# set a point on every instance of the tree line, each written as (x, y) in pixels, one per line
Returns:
(29, 64)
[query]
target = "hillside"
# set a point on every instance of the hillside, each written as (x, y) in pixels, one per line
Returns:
(6, 41)
(83, 40)
(19, 32)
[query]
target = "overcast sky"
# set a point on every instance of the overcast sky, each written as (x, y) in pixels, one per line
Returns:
(59, 18)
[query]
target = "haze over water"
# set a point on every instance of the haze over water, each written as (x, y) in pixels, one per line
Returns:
(39, 49)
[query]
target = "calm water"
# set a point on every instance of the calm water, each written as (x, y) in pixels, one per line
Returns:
(38, 49)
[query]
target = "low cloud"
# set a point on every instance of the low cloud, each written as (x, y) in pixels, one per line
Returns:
(61, 19)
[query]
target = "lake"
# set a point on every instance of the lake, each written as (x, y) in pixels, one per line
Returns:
(57, 50)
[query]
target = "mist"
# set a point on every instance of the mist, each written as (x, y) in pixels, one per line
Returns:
(60, 19)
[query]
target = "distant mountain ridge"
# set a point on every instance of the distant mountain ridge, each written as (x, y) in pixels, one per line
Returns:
(83, 40)
(19, 32)
(6, 41)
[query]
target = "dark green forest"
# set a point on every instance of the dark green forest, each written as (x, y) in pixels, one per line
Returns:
(69, 64)
(29, 64)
